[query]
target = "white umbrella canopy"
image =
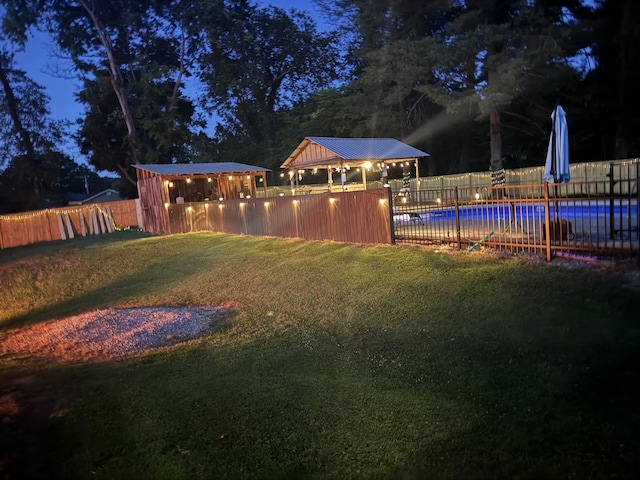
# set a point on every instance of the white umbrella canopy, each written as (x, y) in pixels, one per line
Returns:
(556, 168)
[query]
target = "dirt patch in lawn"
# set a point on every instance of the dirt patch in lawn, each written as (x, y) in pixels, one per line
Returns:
(110, 333)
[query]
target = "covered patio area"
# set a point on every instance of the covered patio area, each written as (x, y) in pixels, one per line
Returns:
(341, 155)
(198, 182)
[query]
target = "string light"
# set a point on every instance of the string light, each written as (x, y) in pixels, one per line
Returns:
(38, 213)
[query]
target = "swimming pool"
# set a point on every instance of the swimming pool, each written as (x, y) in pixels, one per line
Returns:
(524, 210)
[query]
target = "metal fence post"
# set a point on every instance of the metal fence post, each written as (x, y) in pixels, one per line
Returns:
(457, 210)
(547, 219)
(392, 226)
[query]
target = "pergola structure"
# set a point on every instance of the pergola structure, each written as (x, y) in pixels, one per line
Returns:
(342, 154)
(198, 182)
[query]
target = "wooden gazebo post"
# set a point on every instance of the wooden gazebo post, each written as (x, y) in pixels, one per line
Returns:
(364, 176)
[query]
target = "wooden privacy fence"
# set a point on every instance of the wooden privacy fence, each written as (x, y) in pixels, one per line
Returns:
(355, 217)
(67, 222)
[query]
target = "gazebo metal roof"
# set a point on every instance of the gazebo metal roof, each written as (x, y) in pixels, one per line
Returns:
(201, 168)
(326, 151)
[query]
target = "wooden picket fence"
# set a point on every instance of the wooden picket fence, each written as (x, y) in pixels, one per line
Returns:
(65, 223)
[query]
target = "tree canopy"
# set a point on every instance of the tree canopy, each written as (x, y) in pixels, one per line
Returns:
(472, 82)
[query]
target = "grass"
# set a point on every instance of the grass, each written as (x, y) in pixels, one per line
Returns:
(341, 361)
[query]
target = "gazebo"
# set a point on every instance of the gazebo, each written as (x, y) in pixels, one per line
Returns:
(342, 154)
(164, 188)
(198, 182)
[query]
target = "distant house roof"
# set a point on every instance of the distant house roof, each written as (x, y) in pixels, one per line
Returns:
(201, 168)
(108, 195)
(324, 151)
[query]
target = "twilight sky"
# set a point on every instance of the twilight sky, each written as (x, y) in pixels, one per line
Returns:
(38, 62)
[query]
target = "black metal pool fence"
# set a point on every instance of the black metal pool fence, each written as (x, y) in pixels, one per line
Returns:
(587, 218)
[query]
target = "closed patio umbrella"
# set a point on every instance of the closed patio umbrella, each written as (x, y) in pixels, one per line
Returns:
(556, 167)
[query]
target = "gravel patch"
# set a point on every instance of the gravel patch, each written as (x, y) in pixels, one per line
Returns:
(109, 333)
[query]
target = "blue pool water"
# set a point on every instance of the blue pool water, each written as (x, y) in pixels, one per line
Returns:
(519, 211)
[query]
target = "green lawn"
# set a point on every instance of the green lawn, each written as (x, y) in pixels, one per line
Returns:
(341, 361)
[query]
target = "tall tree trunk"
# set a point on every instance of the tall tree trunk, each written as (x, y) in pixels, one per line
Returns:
(496, 13)
(495, 135)
(25, 138)
(117, 81)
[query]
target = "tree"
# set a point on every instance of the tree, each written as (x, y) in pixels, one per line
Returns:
(452, 63)
(260, 62)
(611, 96)
(28, 138)
(141, 49)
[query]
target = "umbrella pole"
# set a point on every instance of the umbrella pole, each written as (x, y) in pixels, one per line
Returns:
(554, 160)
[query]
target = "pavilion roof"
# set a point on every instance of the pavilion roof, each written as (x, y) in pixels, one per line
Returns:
(332, 151)
(202, 168)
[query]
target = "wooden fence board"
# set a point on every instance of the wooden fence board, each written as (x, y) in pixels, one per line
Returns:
(61, 223)
(357, 217)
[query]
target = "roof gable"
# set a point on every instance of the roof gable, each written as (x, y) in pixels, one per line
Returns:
(324, 151)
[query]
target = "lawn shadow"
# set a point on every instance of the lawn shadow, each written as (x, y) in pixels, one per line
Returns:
(125, 290)
(532, 411)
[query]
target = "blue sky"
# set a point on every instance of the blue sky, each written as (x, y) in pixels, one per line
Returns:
(38, 61)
